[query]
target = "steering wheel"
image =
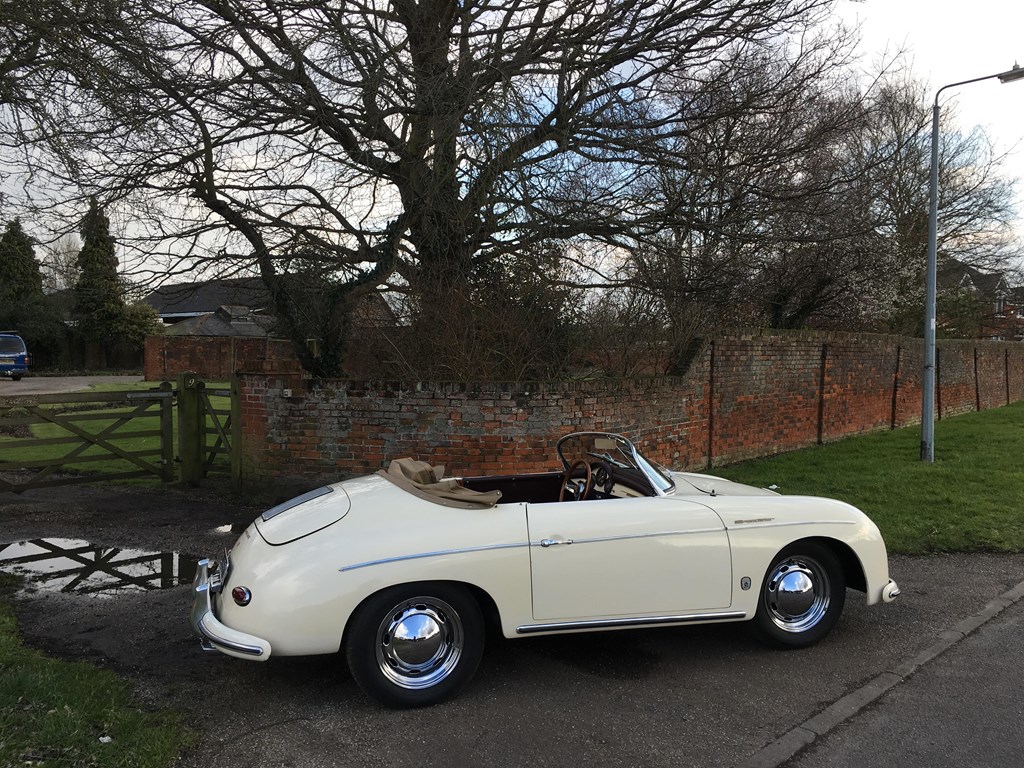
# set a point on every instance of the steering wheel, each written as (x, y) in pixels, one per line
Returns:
(588, 485)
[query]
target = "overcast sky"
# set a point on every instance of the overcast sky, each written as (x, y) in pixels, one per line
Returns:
(952, 41)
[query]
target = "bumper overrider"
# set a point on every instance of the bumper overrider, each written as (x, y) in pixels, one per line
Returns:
(213, 634)
(890, 592)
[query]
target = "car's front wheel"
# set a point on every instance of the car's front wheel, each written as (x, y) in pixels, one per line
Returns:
(417, 644)
(802, 596)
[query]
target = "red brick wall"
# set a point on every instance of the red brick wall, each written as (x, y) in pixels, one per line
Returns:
(745, 396)
(214, 357)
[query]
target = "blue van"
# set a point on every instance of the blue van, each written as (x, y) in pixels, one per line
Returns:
(13, 355)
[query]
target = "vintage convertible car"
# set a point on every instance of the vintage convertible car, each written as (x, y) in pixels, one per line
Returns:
(402, 569)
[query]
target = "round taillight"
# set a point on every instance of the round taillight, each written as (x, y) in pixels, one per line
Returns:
(241, 595)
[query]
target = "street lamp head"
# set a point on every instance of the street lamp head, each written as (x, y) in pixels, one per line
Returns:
(1017, 73)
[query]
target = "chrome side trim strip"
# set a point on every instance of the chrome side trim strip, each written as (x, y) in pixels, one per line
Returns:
(438, 553)
(641, 621)
(742, 527)
(626, 537)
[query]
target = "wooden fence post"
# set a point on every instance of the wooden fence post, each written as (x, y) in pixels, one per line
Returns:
(1006, 367)
(896, 386)
(711, 407)
(166, 434)
(191, 428)
(236, 434)
(822, 375)
(977, 383)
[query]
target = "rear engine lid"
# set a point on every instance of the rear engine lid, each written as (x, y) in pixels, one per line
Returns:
(311, 512)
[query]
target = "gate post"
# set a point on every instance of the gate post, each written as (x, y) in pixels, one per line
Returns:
(166, 434)
(191, 428)
(236, 434)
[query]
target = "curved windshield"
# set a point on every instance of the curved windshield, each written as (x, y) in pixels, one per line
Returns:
(617, 451)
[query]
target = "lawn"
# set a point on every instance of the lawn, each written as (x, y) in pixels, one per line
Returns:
(971, 499)
(60, 713)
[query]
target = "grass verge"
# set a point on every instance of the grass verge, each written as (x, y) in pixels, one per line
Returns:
(60, 713)
(970, 499)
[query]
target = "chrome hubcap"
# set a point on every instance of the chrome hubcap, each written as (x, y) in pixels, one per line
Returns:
(797, 594)
(419, 642)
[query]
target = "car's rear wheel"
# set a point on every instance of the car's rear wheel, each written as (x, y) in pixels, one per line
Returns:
(802, 596)
(417, 644)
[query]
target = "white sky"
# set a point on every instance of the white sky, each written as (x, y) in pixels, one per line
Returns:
(949, 41)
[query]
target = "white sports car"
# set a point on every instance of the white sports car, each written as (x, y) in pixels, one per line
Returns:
(403, 568)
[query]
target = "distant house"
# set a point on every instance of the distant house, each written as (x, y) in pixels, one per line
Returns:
(240, 297)
(239, 306)
(226, 321)
(1003, 316)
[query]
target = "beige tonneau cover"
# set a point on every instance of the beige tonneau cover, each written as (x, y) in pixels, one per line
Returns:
(425, 481)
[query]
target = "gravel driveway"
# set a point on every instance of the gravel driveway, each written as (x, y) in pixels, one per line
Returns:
(52, 385)
(698, 696)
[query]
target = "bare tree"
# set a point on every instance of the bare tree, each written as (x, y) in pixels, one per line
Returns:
(760, 182)
(410, 140)
(60, 264)
(827, 227)
(975, 198)
(860, 263)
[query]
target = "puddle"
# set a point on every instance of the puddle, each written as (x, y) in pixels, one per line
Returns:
(77, 567)
(236, 528)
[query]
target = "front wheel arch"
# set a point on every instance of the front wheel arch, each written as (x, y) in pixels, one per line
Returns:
(801, 595)
(853, 569)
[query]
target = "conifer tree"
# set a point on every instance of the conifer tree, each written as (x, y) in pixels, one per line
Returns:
(23, 306)
(18, 266)
(99, 293)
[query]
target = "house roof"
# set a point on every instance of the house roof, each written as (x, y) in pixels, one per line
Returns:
(185, 300)
(194, 299)
(226, 321)
(955, 274)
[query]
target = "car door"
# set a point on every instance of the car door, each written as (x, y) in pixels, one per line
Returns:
(627, 557)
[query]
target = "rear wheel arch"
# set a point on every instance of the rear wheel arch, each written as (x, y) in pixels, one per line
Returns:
(488, 608)
(417, 643)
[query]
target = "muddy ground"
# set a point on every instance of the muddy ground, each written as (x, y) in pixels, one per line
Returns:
(699, 696)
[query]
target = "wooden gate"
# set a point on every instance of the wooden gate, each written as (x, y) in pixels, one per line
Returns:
(208, 432)
(49, 440)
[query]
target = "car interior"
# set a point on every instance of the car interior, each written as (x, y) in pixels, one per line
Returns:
(583, 481)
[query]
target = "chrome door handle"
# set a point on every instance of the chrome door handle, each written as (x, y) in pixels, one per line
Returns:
(553, 542)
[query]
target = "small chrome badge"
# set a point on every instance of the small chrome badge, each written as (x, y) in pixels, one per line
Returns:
(745, 583)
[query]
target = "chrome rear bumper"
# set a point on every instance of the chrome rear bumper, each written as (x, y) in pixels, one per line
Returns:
(212, 633)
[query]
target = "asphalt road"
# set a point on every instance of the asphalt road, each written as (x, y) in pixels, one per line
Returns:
(708, 697)
(963, 709)
(51, 385)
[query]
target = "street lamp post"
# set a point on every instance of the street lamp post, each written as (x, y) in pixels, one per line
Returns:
(928, 385)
